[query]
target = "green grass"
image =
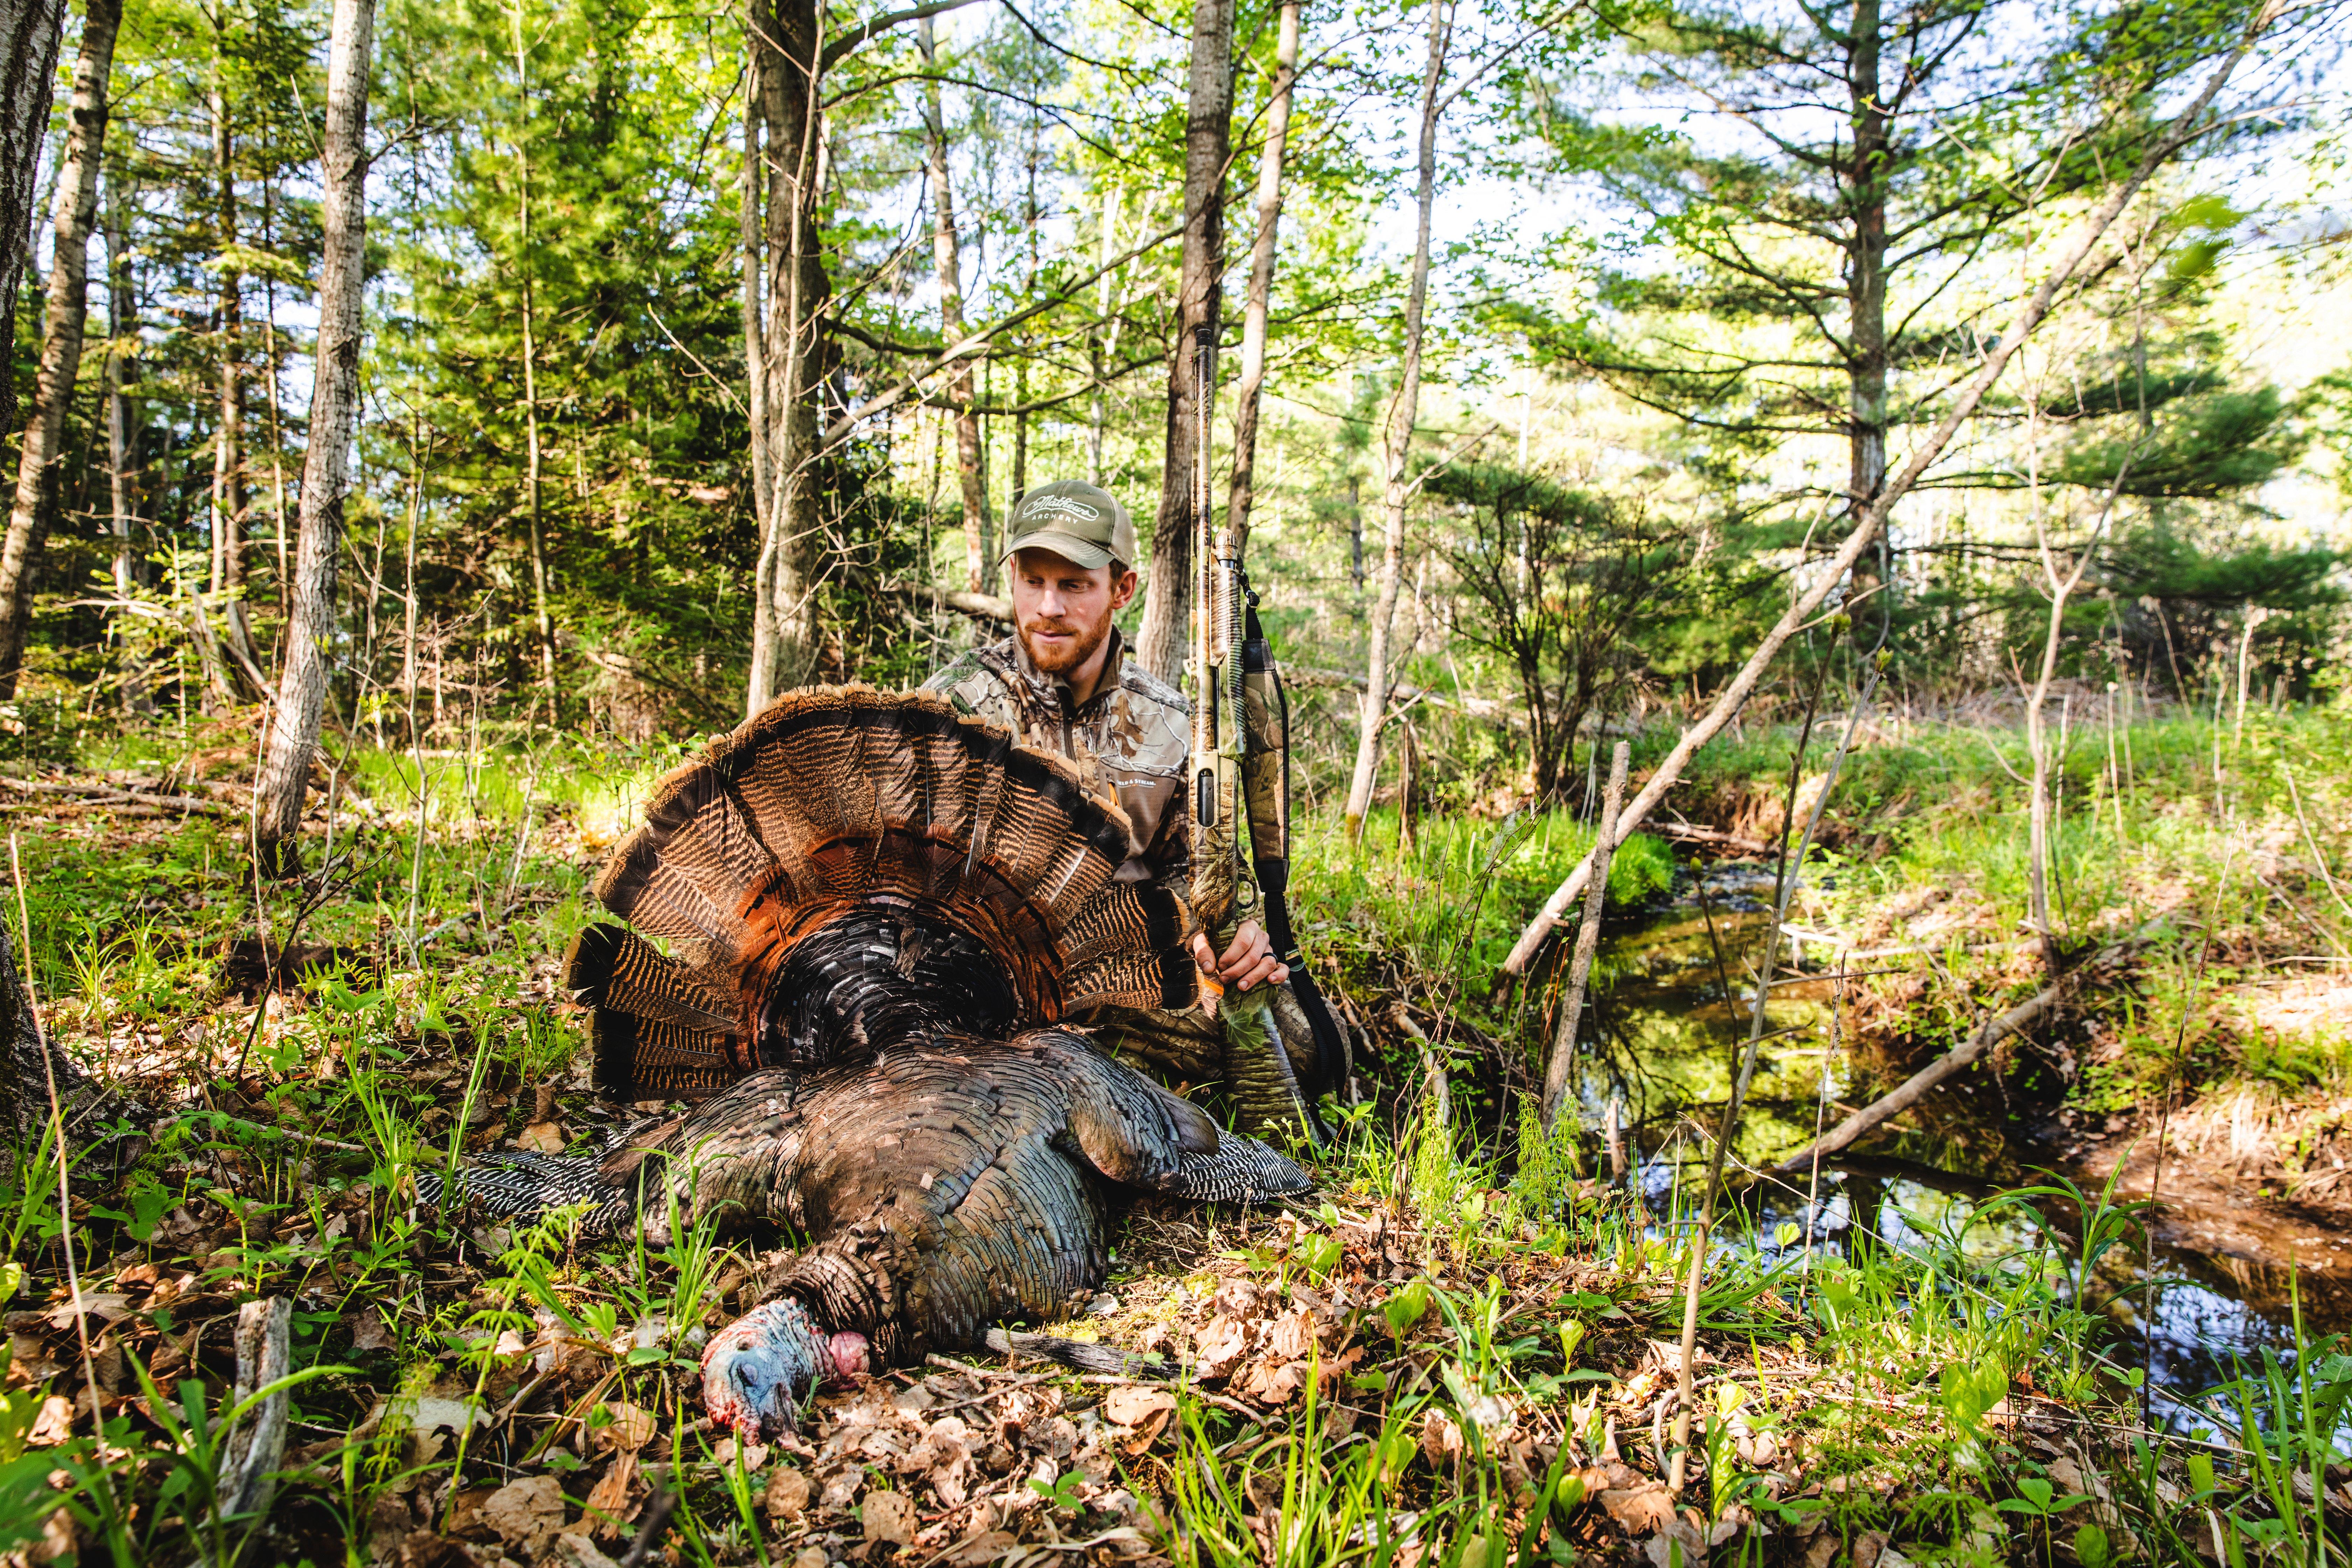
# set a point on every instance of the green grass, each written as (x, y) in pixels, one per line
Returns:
(1511, 1282)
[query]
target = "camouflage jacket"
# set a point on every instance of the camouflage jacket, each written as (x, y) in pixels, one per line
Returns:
(1132, 740)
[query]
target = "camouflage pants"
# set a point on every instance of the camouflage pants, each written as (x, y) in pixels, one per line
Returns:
(1190, 1048)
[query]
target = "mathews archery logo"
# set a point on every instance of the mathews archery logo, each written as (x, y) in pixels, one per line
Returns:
(1059, 506)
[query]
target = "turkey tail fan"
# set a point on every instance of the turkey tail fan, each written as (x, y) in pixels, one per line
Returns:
(656, 1029)
(938, 833)
(1127, 949)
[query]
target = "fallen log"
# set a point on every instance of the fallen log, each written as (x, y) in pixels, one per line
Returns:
(1692, 833)
(1914, 1088)
(1988, 1035)
(256, 1447)
(107, 795)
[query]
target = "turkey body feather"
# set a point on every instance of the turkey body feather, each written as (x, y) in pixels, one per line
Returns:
(856, 926)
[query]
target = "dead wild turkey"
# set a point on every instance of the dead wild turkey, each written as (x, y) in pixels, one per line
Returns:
(877, 910)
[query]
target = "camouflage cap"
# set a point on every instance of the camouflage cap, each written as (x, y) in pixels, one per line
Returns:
(1074, 519)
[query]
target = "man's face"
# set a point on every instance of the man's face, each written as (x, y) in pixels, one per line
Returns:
(1062, 609)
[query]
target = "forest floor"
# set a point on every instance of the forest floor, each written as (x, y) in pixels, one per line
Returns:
(1456, 1351)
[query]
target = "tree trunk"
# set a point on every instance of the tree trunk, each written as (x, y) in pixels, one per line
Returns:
(980, 575)
(1402, 412)
(1021, 365)
(783, 35)
(754, 229)
(1208, 140)
(1866, 267)
(1098, 404)
(75, 212)
(326, 463)
(1356, 533)
(534, 458)
(1261, 280)
(122, 429)
(28, 68)
(276, 429)
(228, 449)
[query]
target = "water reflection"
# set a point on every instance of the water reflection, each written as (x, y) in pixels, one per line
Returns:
(1662, 1042)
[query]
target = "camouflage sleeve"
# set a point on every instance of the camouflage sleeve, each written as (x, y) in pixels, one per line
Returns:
(954, 681)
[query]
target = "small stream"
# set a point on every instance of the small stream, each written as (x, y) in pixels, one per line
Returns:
(1671, 1015)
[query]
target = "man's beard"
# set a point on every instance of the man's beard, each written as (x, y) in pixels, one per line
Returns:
(1064, 658)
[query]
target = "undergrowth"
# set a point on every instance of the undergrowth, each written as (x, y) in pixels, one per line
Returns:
(1460, 1351)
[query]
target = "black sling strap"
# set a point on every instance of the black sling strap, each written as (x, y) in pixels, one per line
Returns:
(1266, 781)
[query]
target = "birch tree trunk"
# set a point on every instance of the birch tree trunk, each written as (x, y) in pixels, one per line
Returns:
(121, 421)
(1261, 281)
(751, 234)
(947, 261)
(28, 68)
(326, 463)
(75, 212)
(1208, 141)
(534, 456)
(123, 432)
(1402, 411)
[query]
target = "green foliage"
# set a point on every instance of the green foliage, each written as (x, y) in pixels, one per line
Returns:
(2207, 446)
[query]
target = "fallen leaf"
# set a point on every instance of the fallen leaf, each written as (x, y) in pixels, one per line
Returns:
(422, 1549)
(575, 1548)
(974, 1550)
(1440, 1439)
(888, 1516)
(1677, 1545)
(428, 1412)
(1218, 1346)
(608, 1501)
(1292, 1337)
(526, 1513)
(369, 1333)
(1235, 1296)
(632, 1428)
(54, 1425)
(753, 1455)
(465, 1518)
(1134, 1406)
(107, 1308)
(1644, 1510)
(546, 1137)
(946, 1455)
(787, 1495)
(1273, 1381)
(841, 1487)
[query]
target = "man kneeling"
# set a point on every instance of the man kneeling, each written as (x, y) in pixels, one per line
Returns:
(1063, 683)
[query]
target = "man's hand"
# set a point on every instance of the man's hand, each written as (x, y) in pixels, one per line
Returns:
(1248, 962)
